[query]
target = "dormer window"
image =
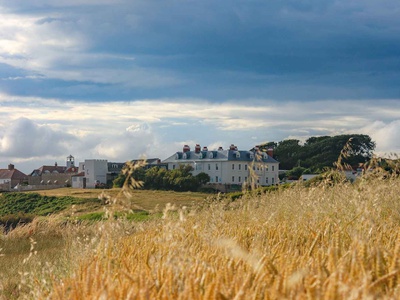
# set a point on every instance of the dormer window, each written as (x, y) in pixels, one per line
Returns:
(184, 156)
(177, 156)
(210, 155)
(237, 154)
(251, 156)
(265, 156)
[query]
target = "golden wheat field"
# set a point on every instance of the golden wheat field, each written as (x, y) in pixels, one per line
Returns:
(339, 241)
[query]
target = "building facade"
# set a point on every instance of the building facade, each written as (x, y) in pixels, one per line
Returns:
(55, 174)
(232, 166)
(95, 171)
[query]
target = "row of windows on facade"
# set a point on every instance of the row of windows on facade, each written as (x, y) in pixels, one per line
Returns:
(239, 167)
(239, 180)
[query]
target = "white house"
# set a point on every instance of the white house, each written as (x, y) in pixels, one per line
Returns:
(230, 166)
(95, 171)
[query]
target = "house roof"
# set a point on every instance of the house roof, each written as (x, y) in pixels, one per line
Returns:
(49, 169)
(117, 166)
(224, 155)
(12, 174)
(72, 170)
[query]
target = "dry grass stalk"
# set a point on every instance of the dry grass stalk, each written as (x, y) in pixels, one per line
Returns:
(336, 241)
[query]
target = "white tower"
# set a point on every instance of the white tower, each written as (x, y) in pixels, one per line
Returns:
(70, 161)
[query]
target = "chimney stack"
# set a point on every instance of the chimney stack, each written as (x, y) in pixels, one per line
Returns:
(186, 148)
(270, 152)
(197, 149)
(10, 167)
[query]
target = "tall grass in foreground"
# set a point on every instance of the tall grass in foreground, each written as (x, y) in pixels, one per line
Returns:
(338, 241)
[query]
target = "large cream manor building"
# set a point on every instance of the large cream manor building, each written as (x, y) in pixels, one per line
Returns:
(230, 166)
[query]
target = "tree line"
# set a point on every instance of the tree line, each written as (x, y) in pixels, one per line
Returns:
(318, 153)
(156, 178)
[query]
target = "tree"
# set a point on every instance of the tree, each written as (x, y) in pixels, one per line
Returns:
(288, 153)
(295, 173)
(155, 178)
(202, 178)
(138, 174)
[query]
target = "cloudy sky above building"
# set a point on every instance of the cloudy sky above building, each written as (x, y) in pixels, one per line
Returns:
(120, 79)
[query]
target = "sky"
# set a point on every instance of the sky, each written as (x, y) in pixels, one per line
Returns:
(123, 79)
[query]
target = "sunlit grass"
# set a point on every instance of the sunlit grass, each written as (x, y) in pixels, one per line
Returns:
(331, 241)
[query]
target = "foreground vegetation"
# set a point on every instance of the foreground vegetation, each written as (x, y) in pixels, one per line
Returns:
(330, 241)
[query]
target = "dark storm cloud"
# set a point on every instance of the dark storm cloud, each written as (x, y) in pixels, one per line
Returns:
(218, 50)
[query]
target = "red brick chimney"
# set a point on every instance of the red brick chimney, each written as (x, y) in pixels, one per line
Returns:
(270, 152)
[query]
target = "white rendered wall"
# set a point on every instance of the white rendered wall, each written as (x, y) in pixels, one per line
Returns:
(95, 171)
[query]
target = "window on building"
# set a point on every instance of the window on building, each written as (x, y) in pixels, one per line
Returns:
(273, 180)
(266, 180)
(233, 166)
(266, 168)
(258, 167)
(273, 168)
(240, 167)
(209, 166)
(233, 178)
(245, 179)
(240, 179)
(173, 167)
(216, 178)
(216, 166)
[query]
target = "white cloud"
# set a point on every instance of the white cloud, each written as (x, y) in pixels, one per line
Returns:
(23, 139)
(386, 135)
(135, 141)
(121, 131)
